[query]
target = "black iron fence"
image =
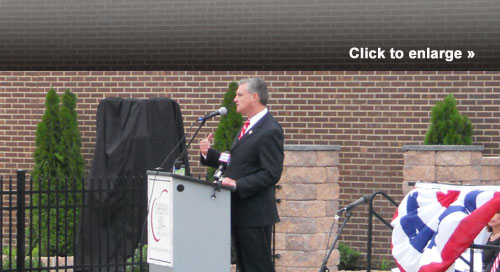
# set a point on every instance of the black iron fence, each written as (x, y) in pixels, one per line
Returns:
(99, 228)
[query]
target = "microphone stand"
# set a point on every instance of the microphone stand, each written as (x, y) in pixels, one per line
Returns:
(173, 149)
(203, 121)
(323, 267)
(217, 187)
(159, 168)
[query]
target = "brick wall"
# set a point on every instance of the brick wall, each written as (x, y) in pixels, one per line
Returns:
(370, 114)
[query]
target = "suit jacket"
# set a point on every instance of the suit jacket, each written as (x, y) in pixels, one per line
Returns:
(256, 164)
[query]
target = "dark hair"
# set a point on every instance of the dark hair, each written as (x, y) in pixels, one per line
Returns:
(256, 85)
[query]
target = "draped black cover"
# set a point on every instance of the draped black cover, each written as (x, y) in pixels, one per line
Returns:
(133, 136)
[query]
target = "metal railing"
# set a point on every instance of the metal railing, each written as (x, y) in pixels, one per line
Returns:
(371, 213)
(27, 226)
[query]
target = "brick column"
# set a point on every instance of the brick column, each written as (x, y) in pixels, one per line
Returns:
(309, 196)
(459, 164)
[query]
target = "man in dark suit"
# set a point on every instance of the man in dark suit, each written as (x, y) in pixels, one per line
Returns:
(255, 167)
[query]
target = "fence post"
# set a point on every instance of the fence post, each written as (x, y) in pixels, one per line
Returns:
(21, 181)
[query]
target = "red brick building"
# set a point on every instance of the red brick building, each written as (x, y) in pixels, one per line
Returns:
(371, 115)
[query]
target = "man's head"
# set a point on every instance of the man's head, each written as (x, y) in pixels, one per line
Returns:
(251, 96)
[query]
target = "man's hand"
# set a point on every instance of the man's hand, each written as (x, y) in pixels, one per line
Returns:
(229, 182)
(205, 144)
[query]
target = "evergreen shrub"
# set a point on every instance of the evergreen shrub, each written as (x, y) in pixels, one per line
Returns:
(448, 126)
(348, 257)
(229, 125)
(58, 170)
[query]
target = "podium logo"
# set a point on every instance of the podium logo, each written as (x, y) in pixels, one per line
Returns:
(160, 216)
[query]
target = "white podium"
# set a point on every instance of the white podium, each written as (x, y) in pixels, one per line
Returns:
(188, 229)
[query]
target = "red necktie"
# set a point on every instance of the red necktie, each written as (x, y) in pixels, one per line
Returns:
(244, 128)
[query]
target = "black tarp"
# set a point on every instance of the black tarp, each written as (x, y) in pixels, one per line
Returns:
(133, 136)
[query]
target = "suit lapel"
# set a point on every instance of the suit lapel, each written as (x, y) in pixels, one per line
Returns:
(251, 132)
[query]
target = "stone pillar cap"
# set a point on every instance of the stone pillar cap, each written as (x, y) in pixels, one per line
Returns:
(312, 147)
(443, 148)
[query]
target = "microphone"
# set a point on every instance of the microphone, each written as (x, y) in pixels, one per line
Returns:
(364, 199)
(224, 159)
(222, 111)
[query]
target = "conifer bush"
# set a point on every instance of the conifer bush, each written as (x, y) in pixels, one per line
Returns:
(448, 126)
(348, 257)
(58, 170)
(229, 125)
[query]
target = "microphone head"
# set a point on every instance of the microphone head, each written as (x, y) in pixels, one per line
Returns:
(223, 111)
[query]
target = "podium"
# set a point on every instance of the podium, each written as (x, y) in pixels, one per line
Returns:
(188, 228)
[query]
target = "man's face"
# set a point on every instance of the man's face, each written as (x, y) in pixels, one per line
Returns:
(244, 99)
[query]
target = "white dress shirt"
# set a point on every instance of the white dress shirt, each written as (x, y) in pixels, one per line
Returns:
(256, 118)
